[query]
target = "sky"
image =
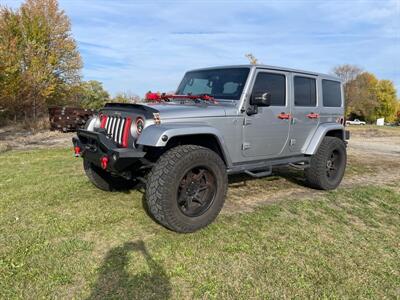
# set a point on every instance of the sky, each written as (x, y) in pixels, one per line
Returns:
(137, 46)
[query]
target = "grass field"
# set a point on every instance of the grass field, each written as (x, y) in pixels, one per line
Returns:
(62, 238)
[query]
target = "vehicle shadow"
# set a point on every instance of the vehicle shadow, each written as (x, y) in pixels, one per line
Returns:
(114, 280)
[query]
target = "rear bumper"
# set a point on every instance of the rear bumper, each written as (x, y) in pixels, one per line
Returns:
(95, 145)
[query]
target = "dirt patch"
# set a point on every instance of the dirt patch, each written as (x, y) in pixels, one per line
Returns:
(18, 138)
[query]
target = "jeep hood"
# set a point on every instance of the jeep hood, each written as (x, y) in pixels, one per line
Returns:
(195, 110)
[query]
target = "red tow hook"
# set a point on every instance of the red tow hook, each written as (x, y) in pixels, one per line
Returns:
(104, 162)
(77, 151)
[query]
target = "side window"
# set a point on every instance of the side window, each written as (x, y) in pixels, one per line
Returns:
(331, 94)
(305, 92)
(275, 84)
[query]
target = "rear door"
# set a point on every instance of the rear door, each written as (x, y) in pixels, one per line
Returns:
(305, 110)
(266, 133)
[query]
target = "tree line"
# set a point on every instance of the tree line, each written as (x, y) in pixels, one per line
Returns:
(40, 66)
(367, 97)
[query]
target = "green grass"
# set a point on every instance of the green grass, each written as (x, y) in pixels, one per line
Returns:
(62, 238)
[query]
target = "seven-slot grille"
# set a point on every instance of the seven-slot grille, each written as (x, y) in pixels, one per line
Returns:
(118, 128)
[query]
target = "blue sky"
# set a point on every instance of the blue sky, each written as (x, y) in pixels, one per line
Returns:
(136, 46)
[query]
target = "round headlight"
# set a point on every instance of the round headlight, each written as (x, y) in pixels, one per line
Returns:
(139, 125)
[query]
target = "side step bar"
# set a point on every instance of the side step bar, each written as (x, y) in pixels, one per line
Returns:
(259, 174)
(264, 167)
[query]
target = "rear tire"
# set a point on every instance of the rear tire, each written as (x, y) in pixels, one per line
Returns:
(186, 188)
(327, 166)
(104, 180)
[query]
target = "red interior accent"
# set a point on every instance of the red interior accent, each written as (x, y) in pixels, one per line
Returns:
(103, 121)
(104, 162)
(125, 135)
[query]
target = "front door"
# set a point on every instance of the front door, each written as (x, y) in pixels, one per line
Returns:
(266, 132)
(305, 111)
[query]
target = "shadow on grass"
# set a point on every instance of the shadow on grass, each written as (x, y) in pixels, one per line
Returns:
(116, 282)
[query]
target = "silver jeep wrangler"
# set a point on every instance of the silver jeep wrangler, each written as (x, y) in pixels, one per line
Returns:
(221, 121)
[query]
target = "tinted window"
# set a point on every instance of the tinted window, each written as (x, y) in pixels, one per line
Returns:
(275, 84)
(331, 94)
(305, 91)
(220, 83)
(198, 86)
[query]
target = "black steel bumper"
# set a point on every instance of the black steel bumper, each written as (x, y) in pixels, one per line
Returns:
(96, 145)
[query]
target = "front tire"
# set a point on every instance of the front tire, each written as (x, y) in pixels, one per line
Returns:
(186, 188)
(104, 180)
(327, 166)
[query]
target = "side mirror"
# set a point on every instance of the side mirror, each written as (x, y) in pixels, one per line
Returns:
(261, 99)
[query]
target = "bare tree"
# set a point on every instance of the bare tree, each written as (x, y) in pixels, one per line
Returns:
(347, 72)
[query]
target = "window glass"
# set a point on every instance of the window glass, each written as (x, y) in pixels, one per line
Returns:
(305, 91)
(230, 87)
(197, 86)
(331, 94)
(224, 83)
(275, 84)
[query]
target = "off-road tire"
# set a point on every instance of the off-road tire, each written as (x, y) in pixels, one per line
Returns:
(104, 180)
(316, 175)
(163, 182)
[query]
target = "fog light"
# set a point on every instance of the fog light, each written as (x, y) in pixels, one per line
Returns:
(164, 138)
(104, 162)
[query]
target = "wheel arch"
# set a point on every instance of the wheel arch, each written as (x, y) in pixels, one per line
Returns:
(328, 129)
(187, 134)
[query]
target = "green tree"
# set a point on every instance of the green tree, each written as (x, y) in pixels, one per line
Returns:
(92, 95)
(387, 100)
(362, 98)
(126, 98)
(39, 57)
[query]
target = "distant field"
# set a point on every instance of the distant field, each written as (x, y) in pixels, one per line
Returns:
(373, 129)
(62, 238)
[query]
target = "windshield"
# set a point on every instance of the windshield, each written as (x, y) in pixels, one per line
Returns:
(218, 83)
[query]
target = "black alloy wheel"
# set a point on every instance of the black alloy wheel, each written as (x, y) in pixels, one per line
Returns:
(196, 191)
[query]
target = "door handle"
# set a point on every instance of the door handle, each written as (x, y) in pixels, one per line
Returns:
(313, 116)
(284, 116)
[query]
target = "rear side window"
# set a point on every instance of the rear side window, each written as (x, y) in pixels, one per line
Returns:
(305, 91)
(331, 93)
(275, 84)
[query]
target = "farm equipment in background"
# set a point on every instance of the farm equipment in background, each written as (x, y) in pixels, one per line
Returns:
(65, 119)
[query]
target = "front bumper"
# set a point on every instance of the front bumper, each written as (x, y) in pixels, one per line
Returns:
(94, 146)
